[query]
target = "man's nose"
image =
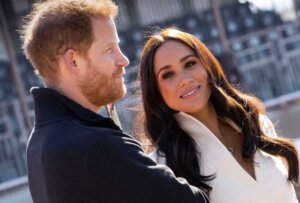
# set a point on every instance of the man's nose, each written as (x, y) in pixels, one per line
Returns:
(123, 60)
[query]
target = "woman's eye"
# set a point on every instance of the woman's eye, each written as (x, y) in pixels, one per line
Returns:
(167, 75)
(190, 64)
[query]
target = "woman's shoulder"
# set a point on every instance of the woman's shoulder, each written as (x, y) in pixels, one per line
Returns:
(267, 126)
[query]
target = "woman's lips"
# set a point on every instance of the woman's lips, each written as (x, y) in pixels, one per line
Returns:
(191, 93)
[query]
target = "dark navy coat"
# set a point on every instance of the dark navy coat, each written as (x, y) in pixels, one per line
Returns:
(77, 156)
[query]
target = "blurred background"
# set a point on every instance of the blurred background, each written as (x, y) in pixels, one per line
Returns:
(256, 41)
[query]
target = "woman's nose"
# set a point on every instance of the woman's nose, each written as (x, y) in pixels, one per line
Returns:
(185, 78)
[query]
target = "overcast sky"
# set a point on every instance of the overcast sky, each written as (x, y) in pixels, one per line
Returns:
(285, 7)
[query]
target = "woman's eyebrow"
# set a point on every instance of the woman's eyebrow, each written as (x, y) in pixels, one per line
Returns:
(181, 60)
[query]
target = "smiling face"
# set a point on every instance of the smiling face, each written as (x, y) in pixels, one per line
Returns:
(181, 79)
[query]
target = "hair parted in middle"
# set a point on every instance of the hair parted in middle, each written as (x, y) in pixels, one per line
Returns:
(164, 132)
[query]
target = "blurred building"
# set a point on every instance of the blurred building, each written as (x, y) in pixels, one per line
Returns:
(13, 131)
(263, 56)
(297, 8)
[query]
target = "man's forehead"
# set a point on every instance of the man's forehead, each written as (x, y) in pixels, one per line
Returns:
(104, 30)
(103, 24)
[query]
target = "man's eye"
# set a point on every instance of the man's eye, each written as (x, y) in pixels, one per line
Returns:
(110, 49)
(167, 75)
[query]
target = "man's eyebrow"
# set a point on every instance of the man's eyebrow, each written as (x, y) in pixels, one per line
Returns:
(111, 44)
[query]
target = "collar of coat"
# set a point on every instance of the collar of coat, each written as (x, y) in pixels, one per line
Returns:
(232, 183)
(51, 106)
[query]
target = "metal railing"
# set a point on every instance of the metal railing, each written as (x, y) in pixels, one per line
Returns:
(13, 138)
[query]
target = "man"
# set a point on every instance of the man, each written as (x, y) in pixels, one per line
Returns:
(75, 155)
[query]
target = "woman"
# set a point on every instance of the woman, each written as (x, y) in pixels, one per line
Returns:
(207, 131)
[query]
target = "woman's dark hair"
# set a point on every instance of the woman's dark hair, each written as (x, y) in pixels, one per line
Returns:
(163, 130)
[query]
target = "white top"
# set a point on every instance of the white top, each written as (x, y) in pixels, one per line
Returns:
(232, 183)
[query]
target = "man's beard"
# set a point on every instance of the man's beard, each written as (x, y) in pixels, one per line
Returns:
(101, 89)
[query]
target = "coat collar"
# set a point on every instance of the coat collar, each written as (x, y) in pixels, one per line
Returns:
(216, 159)
(51, 105)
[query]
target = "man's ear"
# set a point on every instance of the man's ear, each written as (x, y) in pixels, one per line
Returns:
(70, 58)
